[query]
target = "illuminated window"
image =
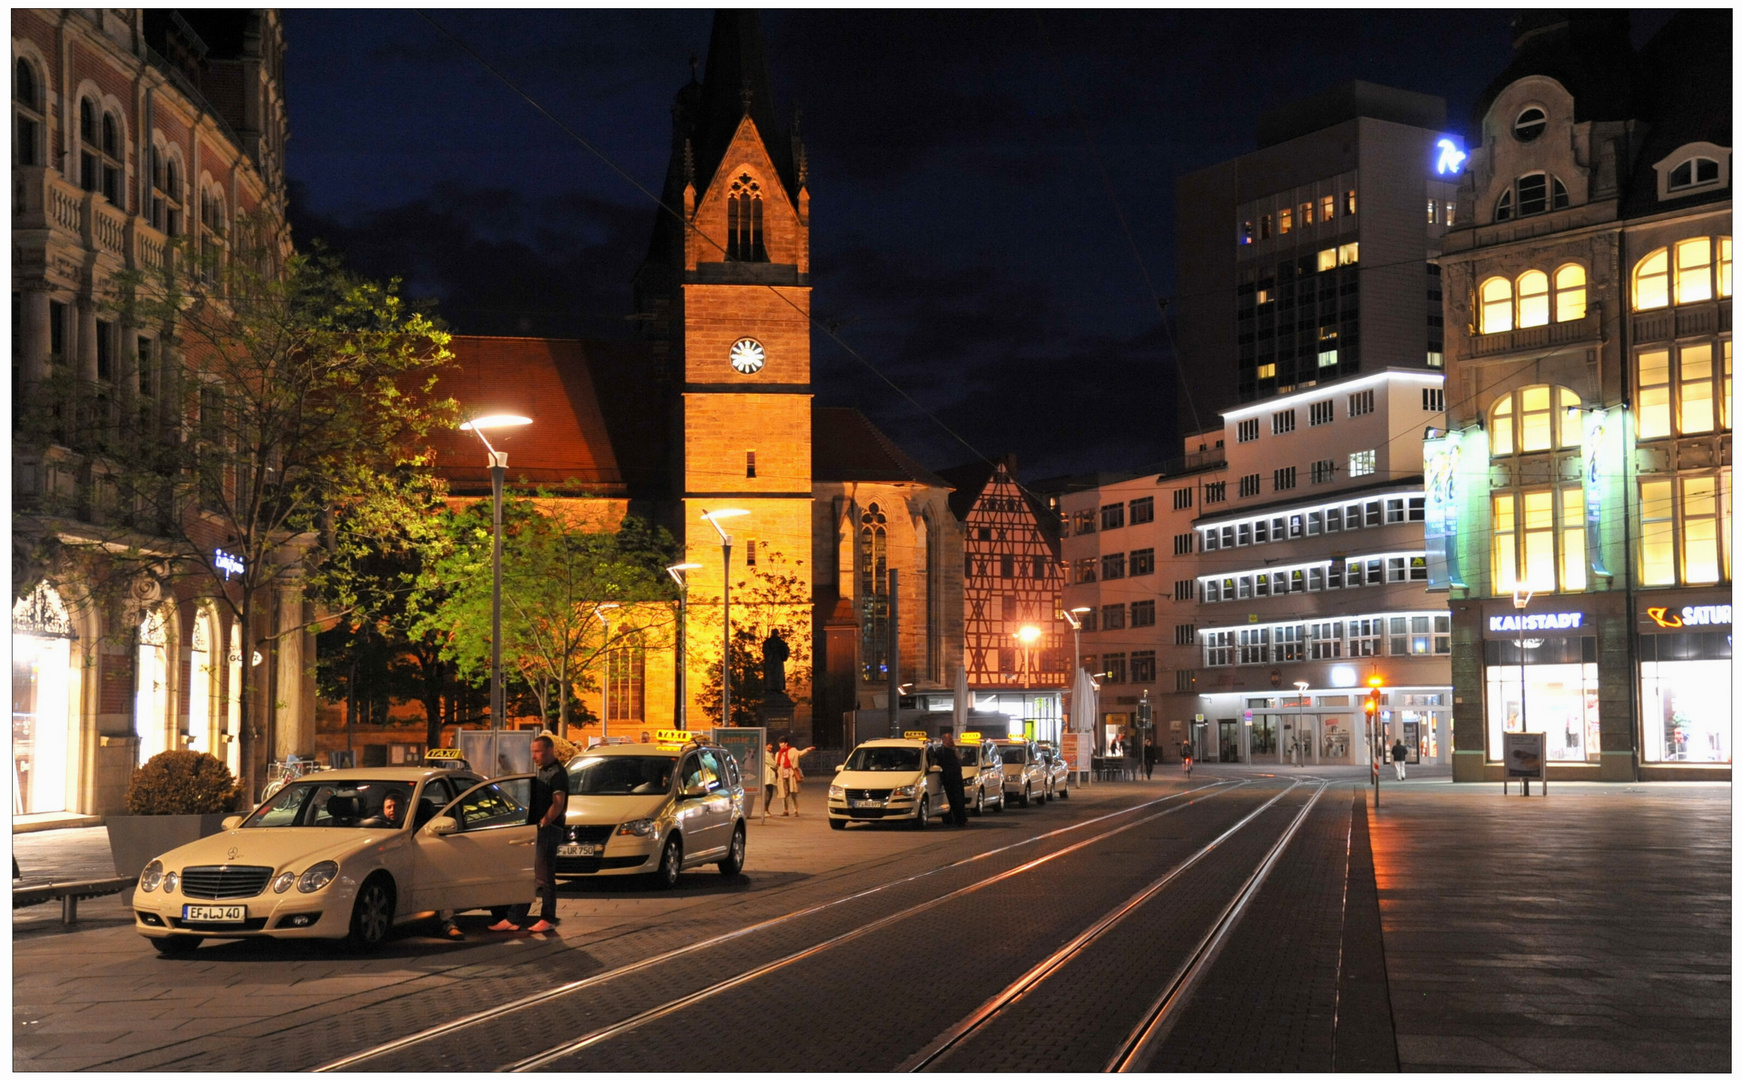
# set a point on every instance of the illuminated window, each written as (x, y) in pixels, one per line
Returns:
(1656, 533)
(1267, 371)
(1348, 254)
(1532, 298)
(1693, 270)
(1306, 214)
(1651, 281)
(744, 221)
(1496, 306)
(1284, 221)
(1505, 535)
(1535, 419)
(1432, 212)
(1572, 539)
(1699, 531)
(1694, 389)
(1451, 214)
(1245, 232)
(1723, 266)
(1654, 394)
(1327, 207)
(1539, 561)
(1501, 427)
(1363, 462)
(1328, 259)
(1724, 390)
(1264, 296)
(1569, 293)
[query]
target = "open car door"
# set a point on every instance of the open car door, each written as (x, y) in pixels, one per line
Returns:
(478, 851)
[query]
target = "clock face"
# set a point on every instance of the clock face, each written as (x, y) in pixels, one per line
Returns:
(747, 356)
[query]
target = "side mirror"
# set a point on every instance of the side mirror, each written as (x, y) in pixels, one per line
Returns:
(443, 826)
(841, 766)
(232, 821)
(695, 791)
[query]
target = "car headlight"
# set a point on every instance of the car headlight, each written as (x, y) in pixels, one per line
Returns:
(284, 881)
(152, 876)
(170, 881)
(836, 791)
(904, 792)
(643, 827)
(317, 876)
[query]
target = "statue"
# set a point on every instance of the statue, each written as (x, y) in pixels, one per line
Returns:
(774, 657)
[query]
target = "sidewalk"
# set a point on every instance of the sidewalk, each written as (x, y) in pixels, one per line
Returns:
(1588, 930)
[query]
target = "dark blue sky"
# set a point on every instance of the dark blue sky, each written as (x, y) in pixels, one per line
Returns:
(964, 239)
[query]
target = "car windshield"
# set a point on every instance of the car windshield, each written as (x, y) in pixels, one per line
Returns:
(884, 759)
(969, 756)
(348, 804)
(615, 775)
(1015, 755)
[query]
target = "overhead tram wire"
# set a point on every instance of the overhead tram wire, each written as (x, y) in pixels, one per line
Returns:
(815, 323)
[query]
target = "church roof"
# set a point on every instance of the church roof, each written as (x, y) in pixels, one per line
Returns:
(594, 419)
(846, 447)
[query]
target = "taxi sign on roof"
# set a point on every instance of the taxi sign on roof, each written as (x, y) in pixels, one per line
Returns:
(442, 753)
(914, 735)
(970, 736)
(671, 735)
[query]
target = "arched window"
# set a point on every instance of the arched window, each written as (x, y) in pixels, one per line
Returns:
(874, 593)
(1651, 281)
(27, 112)
(1496, 306)
(1693, 172)
(1569, 293)
(151, 701)
(203, 728)
(165, 192)
(1532, 194)
(1529, 125)
(744, 221)
(1534, 419)
(1503, 208)
(1532, 298)
(99, 151)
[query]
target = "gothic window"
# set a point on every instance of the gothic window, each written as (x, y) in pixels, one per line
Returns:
(27, 115)
(627, 679)
(873, 593)
(744, 221)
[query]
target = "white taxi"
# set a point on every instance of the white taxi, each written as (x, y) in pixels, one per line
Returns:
(640, 809)
(982, 776)
(1025, 778)
(887, 779)
(320, 859)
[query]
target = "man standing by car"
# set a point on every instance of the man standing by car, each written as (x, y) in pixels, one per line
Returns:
(951, 764)
(550, 800)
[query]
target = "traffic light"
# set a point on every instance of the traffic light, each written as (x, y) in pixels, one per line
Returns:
(1372, 704)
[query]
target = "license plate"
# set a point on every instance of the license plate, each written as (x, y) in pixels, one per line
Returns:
(864, 804)
(577, 851)
(214, 913)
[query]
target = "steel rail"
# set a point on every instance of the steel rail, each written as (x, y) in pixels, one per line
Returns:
(994, 1006)
(611, 1031)
(1160, 1017)
(530, 1000)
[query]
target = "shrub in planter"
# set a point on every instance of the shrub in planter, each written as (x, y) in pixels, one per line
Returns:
(175, 798)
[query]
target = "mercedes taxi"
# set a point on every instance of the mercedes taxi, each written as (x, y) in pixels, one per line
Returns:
(885, 780)
(655, 809)
(1025, 778)
(345, 854)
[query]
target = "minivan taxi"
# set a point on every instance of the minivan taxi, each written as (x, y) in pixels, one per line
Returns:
(887, 779)
(644, 809)
(982, 776)
(1025, 777)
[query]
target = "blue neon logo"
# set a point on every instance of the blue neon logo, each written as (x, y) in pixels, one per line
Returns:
(1451, 158)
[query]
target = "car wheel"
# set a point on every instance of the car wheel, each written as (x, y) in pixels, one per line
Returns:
(922, 816)
(371, 915)
(979, 802)
(1000, 807)
(1065, 792)
(179, 945)
(1025, 798)
(670, 864)
(733, 864)
(837, 823)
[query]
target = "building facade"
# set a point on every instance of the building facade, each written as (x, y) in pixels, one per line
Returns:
(1588, 277)
(131, 129)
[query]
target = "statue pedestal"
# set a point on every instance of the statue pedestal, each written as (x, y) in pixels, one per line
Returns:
(776, 713)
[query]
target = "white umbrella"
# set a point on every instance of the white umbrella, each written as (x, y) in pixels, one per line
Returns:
(959, 723)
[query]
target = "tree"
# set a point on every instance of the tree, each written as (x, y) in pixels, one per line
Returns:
(771, 597)
(562, 581)
(287, 387)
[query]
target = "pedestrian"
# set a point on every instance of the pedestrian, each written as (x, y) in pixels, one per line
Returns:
(769, 771)
(789, 774)
(1150, 753)
(549, 803)
(1185, 758)
(947, 760)
(1399, 757)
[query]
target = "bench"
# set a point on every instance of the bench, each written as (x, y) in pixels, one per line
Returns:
(69, 893)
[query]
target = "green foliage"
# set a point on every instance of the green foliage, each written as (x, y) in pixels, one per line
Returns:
(772, 597)
(182, 782)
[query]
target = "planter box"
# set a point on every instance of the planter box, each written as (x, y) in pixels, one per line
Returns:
(136, 839)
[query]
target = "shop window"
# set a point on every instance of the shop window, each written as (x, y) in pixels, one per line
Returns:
(1559, 698)
(1687, 698)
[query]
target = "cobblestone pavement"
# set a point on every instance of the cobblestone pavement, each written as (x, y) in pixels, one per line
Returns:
(1450, 930)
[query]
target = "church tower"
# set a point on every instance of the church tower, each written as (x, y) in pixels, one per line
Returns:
(727, 293)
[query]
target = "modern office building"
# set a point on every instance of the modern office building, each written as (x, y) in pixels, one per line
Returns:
(1584, 485)
(1308, 259)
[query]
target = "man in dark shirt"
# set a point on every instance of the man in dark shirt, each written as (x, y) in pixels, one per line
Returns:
(951, 765)
(550, 800)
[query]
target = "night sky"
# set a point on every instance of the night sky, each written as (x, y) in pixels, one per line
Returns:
(965, 240)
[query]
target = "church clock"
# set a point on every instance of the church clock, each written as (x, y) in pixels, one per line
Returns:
(748, 356)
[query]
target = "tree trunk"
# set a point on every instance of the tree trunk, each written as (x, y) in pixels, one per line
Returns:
(562, 709)
(253, 764)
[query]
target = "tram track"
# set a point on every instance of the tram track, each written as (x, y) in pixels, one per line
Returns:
(424, 1039)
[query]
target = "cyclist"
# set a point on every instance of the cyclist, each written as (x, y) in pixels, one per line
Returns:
(1185, 757)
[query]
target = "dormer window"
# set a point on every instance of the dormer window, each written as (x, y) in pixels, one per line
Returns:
(1530, 125)
(744, 221)
(1692, 173)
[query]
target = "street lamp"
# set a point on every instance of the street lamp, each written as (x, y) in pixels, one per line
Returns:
(605, 683)
(498, 462)
(1520, 601)
(676, 570)
(1299, 718)
(713, 518)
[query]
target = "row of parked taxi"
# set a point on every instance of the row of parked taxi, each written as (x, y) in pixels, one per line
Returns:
(901, 780)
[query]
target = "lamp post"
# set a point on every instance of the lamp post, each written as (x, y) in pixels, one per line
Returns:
(676, 571)
(498, 466)
(713, 518)
(605, 683)
(1299, 718)
(1076, 625)
(1520, 601)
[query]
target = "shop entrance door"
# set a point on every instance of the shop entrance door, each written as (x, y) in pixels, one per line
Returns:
(1412, 741)
(1334, 742)
(1228, 740)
